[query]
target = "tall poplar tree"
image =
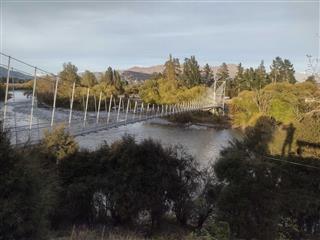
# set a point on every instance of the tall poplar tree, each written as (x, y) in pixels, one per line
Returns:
(88, 79)
(69, 74)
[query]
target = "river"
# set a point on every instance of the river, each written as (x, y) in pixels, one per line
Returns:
(203, 143)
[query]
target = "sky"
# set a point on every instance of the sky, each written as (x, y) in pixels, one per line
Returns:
(96, 34)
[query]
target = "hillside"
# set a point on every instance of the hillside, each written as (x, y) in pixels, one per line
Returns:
(14, 74)
(147, 70)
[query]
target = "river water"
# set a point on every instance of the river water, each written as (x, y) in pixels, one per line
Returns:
(203, 143)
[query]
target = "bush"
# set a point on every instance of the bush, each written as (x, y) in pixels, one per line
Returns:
(24, 194)
(58, 143)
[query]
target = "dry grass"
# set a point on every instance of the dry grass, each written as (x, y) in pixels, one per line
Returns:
(85, 234)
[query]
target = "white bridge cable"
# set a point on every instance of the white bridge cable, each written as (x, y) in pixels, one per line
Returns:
(118, 110)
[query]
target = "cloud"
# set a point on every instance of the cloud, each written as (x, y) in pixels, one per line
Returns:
(95, 35)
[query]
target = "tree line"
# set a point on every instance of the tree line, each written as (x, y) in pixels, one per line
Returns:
(179, 80)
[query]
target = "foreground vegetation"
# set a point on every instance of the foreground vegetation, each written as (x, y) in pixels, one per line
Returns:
(2, 92)
(160, 193)
(296, 109)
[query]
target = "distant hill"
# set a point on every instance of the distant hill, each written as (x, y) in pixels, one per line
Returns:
(14, 74)
(147, 70)
(134, 77)
(137, 74)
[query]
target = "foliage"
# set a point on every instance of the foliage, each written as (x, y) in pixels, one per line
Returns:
(2, 92)
(191, 72)
(223, 73)
(69, 74)
(171, 87)
(59, 143)
(123, 182)
(162, 91)
(253, 200)
(78, 183)
(207, 75)
(24, 194)
(211, 231)
(113, 78)
(88, 79)
(249, 79)
(156, 178)
(109, 84)
(172, 70)
(282, 71)
(283, 101)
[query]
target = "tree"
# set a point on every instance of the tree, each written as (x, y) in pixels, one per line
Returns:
(108, 76)
(249, 199)
(69, 73)
(118, 81)
(59, 143)
(207, 75)
(88, 79)
(262, 76)
(282, 71)
(288, 71)
(239, 79)
(276, 68)
(172, 70)
(24, 193)
(191, 72)
(223, 73)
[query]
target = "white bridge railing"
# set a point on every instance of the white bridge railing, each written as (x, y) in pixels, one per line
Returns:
(28, 122)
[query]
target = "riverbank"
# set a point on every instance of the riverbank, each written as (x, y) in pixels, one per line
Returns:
(201, 118)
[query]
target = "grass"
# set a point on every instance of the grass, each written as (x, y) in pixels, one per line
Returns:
(166, 231)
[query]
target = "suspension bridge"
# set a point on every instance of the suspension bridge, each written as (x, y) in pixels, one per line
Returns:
(27, 118)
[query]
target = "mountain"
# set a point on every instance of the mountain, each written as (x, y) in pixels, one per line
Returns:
(138, 74)
(14, 74)
(134, 77)
(147, 70)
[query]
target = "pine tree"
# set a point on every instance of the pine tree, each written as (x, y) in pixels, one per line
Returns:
(191, 72)
(288, 71)
(282, 71)
(208, 75)
(261, 75)
(275, 68)
(223, 73)
(108, 76)
(239, 78)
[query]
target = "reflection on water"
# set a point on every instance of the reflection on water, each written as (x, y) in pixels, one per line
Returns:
(203, 143)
